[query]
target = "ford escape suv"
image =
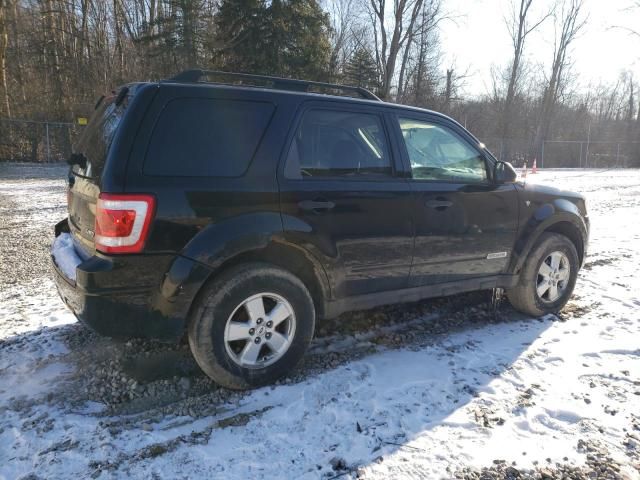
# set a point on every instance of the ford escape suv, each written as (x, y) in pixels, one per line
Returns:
(239, 209)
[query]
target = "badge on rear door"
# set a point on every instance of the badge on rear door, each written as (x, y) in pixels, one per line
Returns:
(491, 256)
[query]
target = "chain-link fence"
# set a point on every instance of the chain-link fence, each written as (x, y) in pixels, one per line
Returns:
(590, 154)
(567, 153)
(514, 150)
(36, 141)
(47, 142)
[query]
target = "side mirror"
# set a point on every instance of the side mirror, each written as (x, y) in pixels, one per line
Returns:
(503, 172)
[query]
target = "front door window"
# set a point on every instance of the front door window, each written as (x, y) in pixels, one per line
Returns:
(438, 154)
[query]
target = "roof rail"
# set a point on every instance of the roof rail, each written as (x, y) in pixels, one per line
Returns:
(278, 83)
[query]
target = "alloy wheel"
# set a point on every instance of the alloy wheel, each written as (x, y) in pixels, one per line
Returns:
(553, 277)
(260, 330)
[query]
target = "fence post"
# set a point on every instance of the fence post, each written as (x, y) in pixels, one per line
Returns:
(46, 127)
(542, 155)
(618, 156)
(580, 159)
(586, 156)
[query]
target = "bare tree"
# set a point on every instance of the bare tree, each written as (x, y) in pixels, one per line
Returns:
(343, 23)
(568, 25)
(420, 60)
(392, 37)
(519, 26)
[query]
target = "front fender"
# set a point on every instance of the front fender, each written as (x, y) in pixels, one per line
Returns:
(547, 217)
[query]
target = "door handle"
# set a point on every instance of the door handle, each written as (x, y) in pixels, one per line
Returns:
(438, 204)
(316, 205)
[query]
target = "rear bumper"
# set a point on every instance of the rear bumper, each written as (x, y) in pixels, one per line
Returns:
(120, 296)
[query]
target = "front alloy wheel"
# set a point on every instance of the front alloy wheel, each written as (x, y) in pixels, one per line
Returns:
(548, 276)
(553, 277)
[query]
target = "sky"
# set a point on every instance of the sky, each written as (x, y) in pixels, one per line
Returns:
(477, 38)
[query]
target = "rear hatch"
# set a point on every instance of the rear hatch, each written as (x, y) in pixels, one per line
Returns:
(90, 155)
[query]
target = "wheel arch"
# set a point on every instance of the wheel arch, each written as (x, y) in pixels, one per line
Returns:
(549, 218)
(286, 256)
(570, 231)
(254, 237)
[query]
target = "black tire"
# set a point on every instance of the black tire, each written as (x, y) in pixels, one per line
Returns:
(524, 296)
(218, 301)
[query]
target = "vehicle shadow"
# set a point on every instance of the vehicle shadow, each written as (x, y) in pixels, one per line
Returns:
(366, 409)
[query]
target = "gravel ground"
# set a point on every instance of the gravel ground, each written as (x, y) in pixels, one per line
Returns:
(23, 222)
(138, 383)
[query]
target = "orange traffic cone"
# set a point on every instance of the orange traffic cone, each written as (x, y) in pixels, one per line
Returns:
(534, 169)
(524, 170)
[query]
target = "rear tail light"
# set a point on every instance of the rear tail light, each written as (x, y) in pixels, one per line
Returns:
(123, 221)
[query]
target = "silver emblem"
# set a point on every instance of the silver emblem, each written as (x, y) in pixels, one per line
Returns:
(491, 256)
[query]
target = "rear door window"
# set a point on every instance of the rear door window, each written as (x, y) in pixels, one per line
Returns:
(330, 143)
(206, 137)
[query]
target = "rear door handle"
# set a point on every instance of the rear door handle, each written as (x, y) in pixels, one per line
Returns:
(316, 205)
(438, 204)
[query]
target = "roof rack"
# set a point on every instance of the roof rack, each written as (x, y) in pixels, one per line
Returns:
(276, 83)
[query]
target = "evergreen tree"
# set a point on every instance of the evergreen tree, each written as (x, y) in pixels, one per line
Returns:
(361, 70)
(174, 38)
(240, 35)
(286, 37)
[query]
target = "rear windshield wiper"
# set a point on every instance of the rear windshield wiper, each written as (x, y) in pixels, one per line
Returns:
(77, 159)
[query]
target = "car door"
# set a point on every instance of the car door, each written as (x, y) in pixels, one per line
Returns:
(465, 224)
(343, 201)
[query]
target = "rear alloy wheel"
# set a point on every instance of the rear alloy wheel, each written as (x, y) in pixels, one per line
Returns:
(548, 276)
(251, 325)
(260, 330)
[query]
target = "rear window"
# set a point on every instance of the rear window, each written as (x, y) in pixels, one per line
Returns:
(206, 137)
(97, 136)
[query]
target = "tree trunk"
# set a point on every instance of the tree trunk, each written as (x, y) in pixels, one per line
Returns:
(448, 90)
(19, 64)
(4, 43)
(403, 67)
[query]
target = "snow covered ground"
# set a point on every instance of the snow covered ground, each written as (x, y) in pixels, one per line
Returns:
(438, 389)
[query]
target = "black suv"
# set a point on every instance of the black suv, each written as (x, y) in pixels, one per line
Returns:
(240, 211)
